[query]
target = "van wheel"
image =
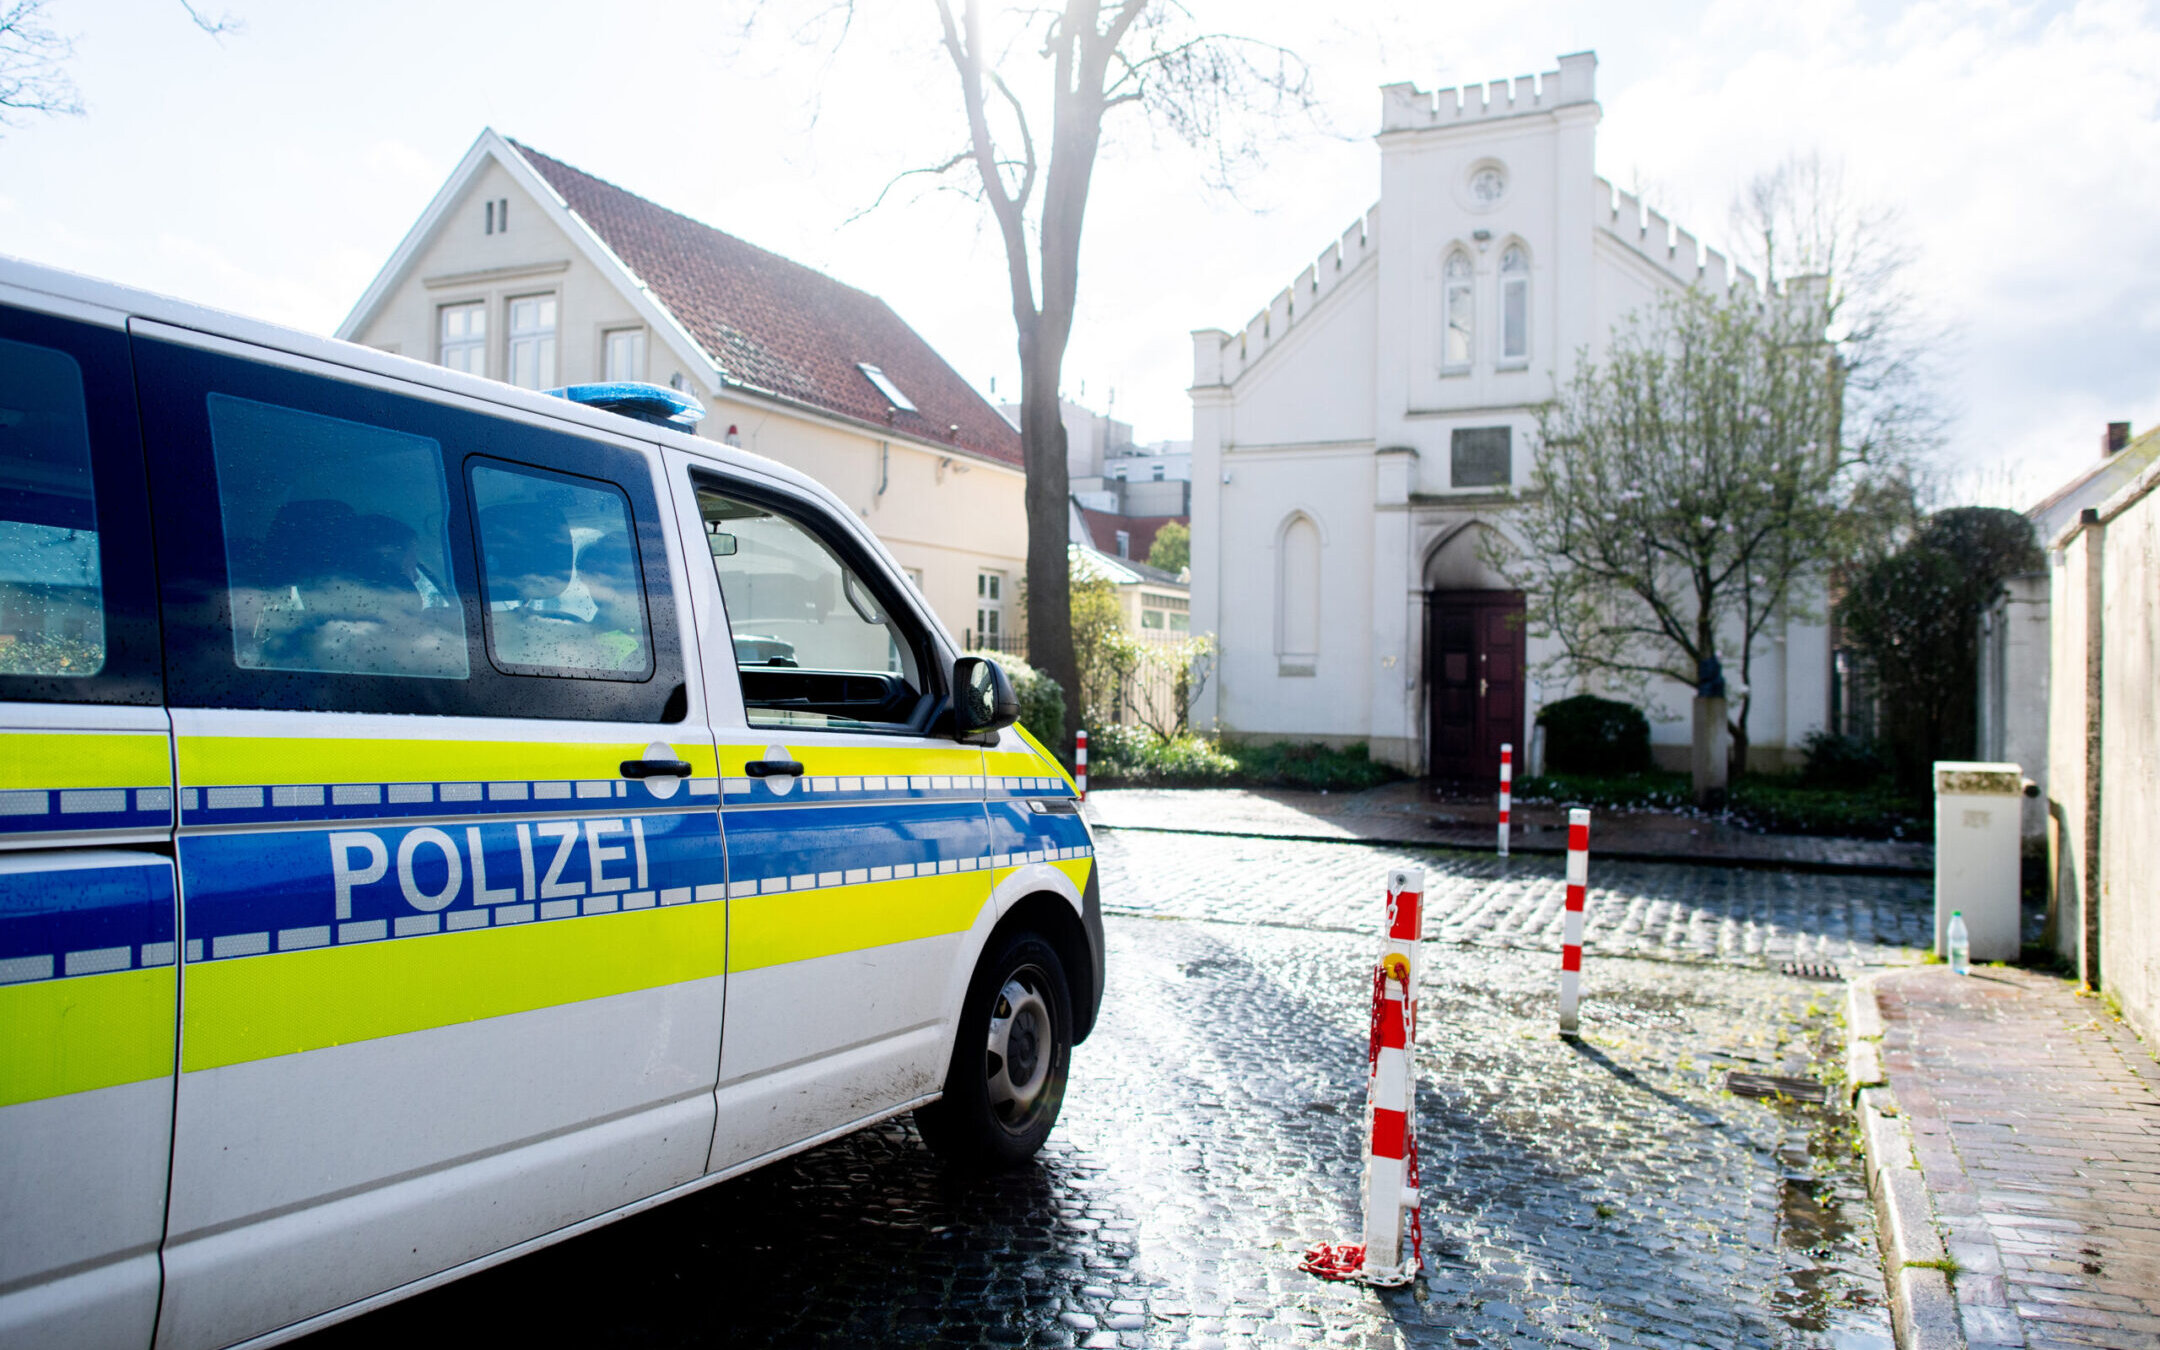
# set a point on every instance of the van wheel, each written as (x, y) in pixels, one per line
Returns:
(1007, 1078)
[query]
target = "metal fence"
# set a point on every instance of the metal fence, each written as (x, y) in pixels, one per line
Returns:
(1004, 644)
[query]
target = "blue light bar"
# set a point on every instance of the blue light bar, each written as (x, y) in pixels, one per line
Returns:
(654, 403)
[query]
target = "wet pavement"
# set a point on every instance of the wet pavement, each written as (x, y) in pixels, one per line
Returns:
(1601, 1193)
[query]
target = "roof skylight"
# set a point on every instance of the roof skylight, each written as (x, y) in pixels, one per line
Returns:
(886, 387)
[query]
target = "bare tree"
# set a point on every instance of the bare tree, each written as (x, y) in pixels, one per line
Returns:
(1033, 164)
(1799, 222)
(1689, 489)
(34, 80)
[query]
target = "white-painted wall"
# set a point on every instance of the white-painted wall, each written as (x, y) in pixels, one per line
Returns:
(943, 513)
(1334, 401)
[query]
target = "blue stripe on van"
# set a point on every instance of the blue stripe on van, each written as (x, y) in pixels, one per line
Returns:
(85, 920)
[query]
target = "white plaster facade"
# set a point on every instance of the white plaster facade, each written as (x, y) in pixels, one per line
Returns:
(955, 519)
(1324, 432)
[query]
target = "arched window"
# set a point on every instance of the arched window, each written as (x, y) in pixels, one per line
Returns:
(1458, 313)
(1297, 596)
(1515, 304)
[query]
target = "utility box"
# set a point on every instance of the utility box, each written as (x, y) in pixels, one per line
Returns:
(1977, 856)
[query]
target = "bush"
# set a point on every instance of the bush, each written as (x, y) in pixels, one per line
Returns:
(1042, 703)
(1591, 735)
(1140, 758)
(1136, 757)
(1840, 762)
(1316, 767)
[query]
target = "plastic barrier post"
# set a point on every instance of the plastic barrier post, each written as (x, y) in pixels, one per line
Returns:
(1578, 879)
(1507, 779)
(1080, 763)
(1391, 1192)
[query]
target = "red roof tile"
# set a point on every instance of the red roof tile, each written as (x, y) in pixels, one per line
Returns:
(1103, 528)
(778, 327)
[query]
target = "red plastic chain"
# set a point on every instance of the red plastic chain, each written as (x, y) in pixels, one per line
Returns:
(1335, 1260)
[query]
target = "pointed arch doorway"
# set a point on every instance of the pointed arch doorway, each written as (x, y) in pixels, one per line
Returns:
(1474, 662)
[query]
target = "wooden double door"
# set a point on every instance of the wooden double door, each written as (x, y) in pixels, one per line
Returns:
(1473, 681)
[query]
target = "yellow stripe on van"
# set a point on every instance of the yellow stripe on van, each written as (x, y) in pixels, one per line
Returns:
(261, 1006)
(77, 759)
(824, 761)
(1076, 870)
(1009, 764)
(92, 1031)
(773, 930)
(232, 761)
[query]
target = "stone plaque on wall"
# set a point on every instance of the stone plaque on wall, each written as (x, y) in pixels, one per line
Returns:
(1480, 457)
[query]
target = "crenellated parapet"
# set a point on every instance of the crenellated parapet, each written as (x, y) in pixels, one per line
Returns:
(1666, 246)
(1405, 107)
(1238, 351)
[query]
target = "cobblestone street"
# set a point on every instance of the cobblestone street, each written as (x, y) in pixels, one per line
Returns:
(1603, 1193)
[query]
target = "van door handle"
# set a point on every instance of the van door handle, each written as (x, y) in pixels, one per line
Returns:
(766, 768)
(655, 768)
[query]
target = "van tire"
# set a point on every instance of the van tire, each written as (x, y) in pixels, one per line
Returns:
(1016, 1023)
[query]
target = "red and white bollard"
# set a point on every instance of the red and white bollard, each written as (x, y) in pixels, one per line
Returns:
(1571, 934)
(1393, 1250)
(1080, 763)
(1507, 780)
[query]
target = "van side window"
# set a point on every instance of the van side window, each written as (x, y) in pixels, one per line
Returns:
(814, 644)
(336, 547)
(559, 573)
(52, 613)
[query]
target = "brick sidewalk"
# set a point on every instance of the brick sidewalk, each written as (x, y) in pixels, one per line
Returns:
(2036, 1122)
(1407, 813)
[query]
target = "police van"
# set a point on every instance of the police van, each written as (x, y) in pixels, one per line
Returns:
(438, 818)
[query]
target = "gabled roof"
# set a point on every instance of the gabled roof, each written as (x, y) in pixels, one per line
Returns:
(2093, 485)
(729, 310)
(778, 327)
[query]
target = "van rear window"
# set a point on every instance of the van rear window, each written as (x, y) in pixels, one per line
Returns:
(336, 544)
(52, 613)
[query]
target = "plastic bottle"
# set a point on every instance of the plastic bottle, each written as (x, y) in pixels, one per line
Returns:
(1960, 945)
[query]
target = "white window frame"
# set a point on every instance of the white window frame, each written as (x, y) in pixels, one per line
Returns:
(1458, 298)
(1515, 297)
(474, 344)
(989, 603)
(547, 340)
(608, 336)
(885, 386)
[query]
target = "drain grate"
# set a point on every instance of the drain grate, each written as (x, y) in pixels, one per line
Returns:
(1770, 1085)
(1812, 970)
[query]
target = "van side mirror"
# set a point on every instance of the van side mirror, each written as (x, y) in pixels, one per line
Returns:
(983, 697)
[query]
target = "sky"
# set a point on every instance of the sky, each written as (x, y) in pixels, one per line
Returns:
(271, 171)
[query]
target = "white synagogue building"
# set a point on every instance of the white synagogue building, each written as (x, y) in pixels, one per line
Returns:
(1358, 439)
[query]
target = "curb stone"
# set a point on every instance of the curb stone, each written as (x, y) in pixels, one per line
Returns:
(1924, 1311)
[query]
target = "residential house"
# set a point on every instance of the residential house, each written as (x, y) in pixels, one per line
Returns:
(527, 270)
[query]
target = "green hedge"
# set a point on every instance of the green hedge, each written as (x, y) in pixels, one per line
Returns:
(1591, 735)
(1135, 757)
(1042, 703)
(1769, 803)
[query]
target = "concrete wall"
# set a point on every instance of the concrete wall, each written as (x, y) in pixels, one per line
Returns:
(944, 514)
(2013, 695)
(2107, 603)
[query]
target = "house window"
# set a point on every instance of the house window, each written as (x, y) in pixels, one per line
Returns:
(464, 338)
(914, 578)
(1515, 304)
(498, 215)
(989, 607)
(1151, 618)
(532, 341)
(622, 352)
(1480, 457)
(1158, 473)
(1124, 543)
(1458, 314)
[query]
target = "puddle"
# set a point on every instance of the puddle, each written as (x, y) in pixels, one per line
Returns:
(1831, 1289)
